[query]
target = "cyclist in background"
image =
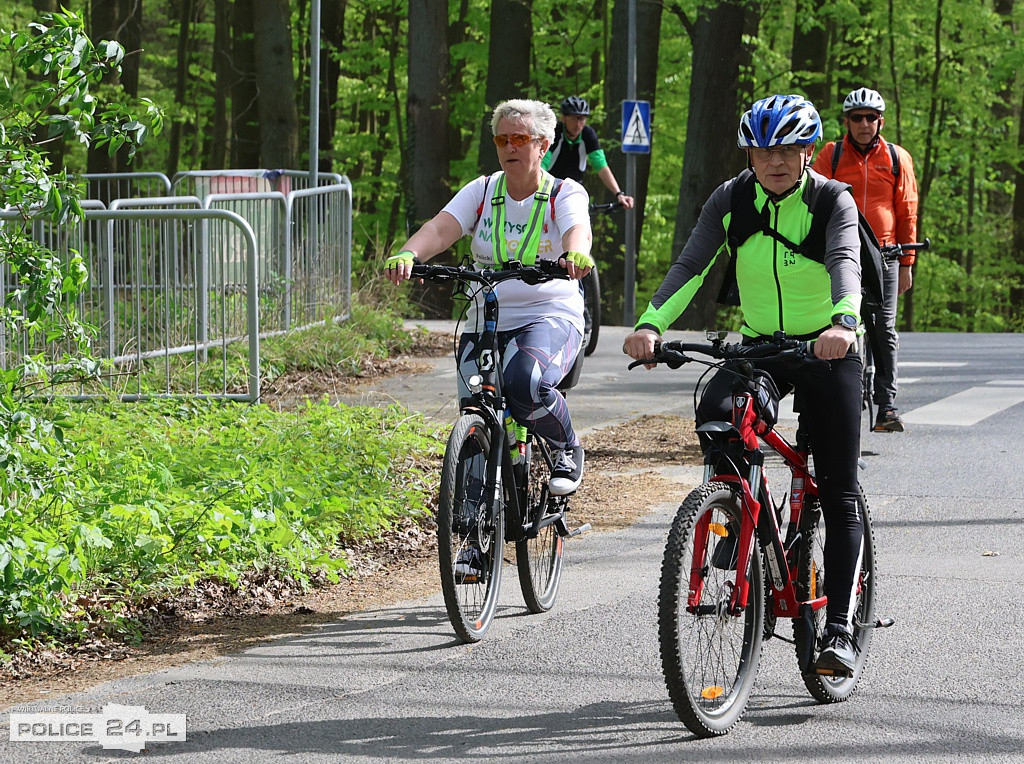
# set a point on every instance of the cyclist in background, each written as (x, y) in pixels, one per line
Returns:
(521, 212)
(783, 291)
(882, 177)
(576, 145)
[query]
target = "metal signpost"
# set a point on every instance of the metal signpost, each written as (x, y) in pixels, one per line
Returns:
(636, 139)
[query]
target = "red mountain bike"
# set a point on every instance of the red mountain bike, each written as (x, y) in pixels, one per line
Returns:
(729, 573)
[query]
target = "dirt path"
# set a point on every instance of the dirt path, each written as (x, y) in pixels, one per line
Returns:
(621, 483)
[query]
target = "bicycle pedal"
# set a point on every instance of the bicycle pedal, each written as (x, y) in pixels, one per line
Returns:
(833, 673)
(565, 532)
(880, 623)
(580, 530)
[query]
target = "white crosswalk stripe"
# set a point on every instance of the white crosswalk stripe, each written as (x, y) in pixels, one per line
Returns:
(967, 407)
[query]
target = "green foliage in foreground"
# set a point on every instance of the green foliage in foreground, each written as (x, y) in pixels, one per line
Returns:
(156, 495)
(169, 493)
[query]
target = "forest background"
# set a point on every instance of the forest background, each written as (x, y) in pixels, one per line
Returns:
(407, 88)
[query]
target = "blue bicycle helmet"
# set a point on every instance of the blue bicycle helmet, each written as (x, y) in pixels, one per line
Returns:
(779, 120)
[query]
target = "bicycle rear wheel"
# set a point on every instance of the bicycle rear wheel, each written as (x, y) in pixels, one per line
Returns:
(810, 584)
(591, 311)
(539, 559)
(467, 530)
(710, 658)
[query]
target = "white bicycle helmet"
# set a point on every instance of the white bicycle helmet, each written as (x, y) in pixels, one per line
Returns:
(864, 98)
(779, 120)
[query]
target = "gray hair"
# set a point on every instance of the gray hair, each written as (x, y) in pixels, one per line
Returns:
(536, 113)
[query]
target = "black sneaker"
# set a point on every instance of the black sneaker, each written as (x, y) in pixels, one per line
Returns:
(470, 565)
(888, 421)
(567, 471)
(838, 656)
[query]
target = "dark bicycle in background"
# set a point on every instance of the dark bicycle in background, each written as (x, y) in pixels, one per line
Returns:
(890, 254)
(494, 482)
(592, 290)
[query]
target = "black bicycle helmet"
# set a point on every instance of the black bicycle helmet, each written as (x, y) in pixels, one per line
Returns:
(575, 105)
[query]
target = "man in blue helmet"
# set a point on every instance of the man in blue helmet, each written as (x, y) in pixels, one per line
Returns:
(808, 296)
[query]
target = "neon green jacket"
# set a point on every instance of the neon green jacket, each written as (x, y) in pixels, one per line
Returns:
(780, 290)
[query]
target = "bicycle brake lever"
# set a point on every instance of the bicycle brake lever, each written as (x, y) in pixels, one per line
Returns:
(644, 362)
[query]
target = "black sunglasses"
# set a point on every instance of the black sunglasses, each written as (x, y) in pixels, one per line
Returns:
(870, 117)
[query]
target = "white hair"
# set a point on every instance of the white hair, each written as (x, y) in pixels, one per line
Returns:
(536, 113)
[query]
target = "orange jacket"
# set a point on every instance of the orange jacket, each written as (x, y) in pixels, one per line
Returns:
(888, 203)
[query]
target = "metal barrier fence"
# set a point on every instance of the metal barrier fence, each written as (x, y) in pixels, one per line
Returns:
(176, 276)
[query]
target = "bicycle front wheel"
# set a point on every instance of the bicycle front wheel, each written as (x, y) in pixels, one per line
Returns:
(810, 584)
(868, 383)
(539, 559)
(470, 533)
(591, 311)
(710, 657)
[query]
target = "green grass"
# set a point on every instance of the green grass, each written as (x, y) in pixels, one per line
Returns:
(164, 493)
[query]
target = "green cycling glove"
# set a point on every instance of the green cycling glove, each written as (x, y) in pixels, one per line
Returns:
(579, 259)
(405, 257)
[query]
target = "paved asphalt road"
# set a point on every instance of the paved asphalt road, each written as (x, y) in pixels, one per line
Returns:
(583, 682)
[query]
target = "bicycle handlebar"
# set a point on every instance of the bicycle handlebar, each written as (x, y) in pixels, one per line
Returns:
(893, 251)
(673, 353)
(544, 270)
(609, 207)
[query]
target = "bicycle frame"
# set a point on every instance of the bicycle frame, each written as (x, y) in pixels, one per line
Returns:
(781, 563)
(487, 399)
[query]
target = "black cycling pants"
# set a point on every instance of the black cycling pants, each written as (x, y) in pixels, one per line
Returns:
(829, 402)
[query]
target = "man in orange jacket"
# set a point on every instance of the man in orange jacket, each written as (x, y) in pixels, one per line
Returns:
(882, 177)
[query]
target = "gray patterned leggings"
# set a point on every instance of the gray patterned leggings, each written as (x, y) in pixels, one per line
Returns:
(535, 358)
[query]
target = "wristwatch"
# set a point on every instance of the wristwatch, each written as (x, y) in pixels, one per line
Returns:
(845, 320)
(619, 193)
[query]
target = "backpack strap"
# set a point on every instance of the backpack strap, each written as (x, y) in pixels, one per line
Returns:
(894, 155)
(837, 151)
(480, 207)
(743, 224)
(554, 193)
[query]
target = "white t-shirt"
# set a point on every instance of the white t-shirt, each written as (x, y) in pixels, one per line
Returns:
(520, 303)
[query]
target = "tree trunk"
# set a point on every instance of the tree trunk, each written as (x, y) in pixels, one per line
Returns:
(1018, 195)
(103, 25)
(711, 155)
(130, 36)
(217, 145)
(508, 67)
(245, 145)
(809, 56)
(275, 80)
(928, 166)
(610, 240)
(427, 123)
(54, 150)
(181, 79)
(333, 26)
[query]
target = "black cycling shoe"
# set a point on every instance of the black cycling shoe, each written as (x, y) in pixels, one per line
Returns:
(888, 421)
(838, 656)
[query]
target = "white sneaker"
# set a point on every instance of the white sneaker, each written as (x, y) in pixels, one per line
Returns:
(567, 471)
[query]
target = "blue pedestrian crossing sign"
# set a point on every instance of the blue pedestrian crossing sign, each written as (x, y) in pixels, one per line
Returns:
(636, 127)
